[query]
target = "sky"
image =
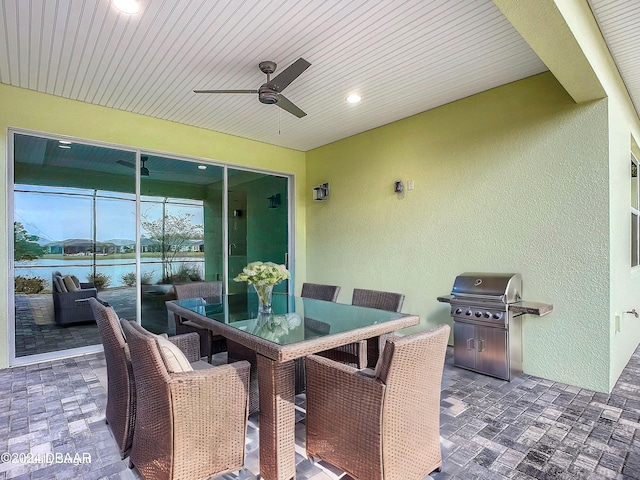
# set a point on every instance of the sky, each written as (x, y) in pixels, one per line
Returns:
(58, 217)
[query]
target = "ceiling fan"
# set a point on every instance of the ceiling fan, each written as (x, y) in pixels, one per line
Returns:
(144, 171)
(269, 92)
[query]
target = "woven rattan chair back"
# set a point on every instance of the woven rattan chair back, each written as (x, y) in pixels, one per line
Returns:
(197, 289)
(381, 428)
(121, 393)
(190, 424)
(210, 344)
(318, 291)
(411, 368)
(376, 299)
(365, 353)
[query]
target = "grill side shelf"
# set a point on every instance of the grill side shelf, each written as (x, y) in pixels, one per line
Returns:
(530, 308)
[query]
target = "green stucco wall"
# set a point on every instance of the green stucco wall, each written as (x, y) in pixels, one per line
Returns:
(623, 127)
(512, 179)
(38, 112)
(519, 178)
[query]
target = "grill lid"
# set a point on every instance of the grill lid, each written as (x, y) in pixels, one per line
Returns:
(503, 287)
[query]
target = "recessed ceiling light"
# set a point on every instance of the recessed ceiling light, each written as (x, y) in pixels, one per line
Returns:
(354, 98)
(64, 146)
(127, 6)
(202, 167)
(64, 142)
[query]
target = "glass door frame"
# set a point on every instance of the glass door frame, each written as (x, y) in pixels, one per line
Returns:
(291, 226)
(10, 207)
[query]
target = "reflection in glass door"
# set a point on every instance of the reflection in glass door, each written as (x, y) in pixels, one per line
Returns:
(258, 225)
(125, 226)
(74, 238)
(180, 232)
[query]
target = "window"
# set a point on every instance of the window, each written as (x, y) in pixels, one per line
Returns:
(132, 224)
(635, 211)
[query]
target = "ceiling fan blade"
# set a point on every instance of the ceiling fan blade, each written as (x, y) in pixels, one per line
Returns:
(126, 164)
(225, 91)
(288, 75)
(287, 105)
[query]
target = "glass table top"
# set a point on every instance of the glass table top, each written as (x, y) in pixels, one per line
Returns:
(293, 319)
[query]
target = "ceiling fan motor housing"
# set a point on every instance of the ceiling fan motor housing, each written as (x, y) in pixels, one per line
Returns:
(267, 95)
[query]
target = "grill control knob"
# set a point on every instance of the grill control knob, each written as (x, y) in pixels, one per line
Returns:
(468, 312)
(497, 316)
(487, 314)
(458, 311)
(478, 314)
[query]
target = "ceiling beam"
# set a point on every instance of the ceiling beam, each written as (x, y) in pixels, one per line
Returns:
(545, 29)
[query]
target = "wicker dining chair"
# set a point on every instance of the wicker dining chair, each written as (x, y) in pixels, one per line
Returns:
(365, 353)
(209, 343)
(381, 427)
(189, 423)
(120, 412)
(315, 291)
(319, 291)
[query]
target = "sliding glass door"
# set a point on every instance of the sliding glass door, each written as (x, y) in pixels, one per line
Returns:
(125, 226)
(181, 231)
(258, 226)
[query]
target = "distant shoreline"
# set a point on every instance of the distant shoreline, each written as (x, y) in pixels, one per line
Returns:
(124, 256)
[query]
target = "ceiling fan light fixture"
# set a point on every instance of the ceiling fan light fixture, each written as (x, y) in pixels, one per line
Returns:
(144, 171)
(127, 6)
(266, 95)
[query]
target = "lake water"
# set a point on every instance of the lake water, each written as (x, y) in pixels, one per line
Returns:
(114, 268)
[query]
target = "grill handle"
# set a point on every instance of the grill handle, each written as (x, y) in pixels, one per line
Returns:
(483, 298)
(470, 345)
(480, 346)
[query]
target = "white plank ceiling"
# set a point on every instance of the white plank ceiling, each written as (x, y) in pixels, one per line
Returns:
(402, 57)
(619, 22)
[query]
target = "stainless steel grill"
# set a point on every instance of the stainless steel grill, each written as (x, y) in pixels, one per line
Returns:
(487, 335)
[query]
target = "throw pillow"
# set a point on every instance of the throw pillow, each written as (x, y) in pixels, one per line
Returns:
(59, 284)
(69, 284)
(173, 358)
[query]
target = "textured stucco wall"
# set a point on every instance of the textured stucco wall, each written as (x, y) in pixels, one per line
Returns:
(513, 179)
(53, 115)
(624, 127)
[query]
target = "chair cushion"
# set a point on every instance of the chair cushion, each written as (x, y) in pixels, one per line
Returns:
(69, 284)
(59, 284)
(173, 358)
(200, 365)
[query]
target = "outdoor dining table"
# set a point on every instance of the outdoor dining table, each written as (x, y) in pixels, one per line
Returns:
(295, 328)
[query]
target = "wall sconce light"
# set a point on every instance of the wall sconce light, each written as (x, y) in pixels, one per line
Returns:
(399, 188)
(321, 192)
(274, 201)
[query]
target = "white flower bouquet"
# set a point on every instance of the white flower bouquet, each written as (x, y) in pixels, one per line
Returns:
(263, 274)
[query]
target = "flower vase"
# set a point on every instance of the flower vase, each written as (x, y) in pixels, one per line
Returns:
(264, 298)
